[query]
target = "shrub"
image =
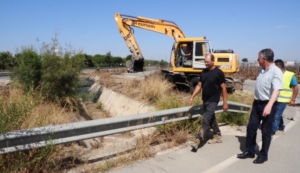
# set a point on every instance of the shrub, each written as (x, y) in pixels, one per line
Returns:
(53, 73)
(12, 114)
(28, 70)
(59, 78)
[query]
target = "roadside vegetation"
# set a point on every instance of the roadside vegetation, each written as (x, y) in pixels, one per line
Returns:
(44, 90)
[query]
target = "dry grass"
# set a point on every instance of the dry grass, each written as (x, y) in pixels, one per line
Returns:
(154, 89)
(40, 114)
(146, 147)
(35, 160)
(150, 90)
(106, 79)
(251, 72)
(45, 114)
(23, 111)
(245, 97)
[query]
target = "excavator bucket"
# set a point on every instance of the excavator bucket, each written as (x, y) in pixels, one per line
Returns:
(138, 65)
(134, 66)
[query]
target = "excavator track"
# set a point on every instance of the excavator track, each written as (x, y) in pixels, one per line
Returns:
(233, 84)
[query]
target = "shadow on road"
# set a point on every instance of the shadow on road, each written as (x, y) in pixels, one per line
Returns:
(242, 141)
(297, 105)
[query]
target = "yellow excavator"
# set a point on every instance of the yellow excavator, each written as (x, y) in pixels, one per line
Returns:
(187, 58)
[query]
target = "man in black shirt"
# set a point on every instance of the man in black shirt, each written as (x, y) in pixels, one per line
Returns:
(212, 81)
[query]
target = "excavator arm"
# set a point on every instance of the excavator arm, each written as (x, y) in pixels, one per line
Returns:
(185, 69)
(125, 24)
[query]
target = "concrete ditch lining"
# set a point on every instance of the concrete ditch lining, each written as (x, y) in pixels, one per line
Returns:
(117, 105)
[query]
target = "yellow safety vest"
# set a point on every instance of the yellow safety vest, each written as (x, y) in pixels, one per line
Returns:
(286, 93)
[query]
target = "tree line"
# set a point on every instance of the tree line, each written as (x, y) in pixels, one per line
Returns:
(8, 61)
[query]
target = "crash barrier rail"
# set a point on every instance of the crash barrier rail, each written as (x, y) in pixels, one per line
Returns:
(65, 133)
(118, 67)
(4, 73)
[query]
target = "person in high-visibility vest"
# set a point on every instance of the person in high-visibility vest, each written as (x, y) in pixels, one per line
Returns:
(287, 96)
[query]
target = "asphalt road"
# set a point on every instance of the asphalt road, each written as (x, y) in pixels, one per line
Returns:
(283, 154)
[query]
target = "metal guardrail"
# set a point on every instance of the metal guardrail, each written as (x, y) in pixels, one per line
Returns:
(59, 134)
(5, 73)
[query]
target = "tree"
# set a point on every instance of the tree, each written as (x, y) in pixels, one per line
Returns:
(152, 62)
(77, 60)
(108, 57)
(162, 62)
(88, 60)
(6, 60)
(244, 60)
(98, 60)
(128, 57)
(117, 60)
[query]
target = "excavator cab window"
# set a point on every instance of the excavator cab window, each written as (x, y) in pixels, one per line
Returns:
(201, 49)
(178, 56)
(184, 54)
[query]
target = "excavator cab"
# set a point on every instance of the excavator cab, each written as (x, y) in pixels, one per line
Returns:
(198, 50)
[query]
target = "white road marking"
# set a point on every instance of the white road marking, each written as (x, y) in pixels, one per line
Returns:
(233, 159)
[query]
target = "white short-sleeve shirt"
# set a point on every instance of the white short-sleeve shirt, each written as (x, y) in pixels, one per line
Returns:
(266, 81)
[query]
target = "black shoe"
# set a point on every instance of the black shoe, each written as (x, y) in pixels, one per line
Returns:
(260, 160)
(197, 143)
(198, 136)
(245, 155)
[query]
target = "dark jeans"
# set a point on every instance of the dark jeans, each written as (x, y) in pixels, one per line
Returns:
(266, 128)
(209, 118)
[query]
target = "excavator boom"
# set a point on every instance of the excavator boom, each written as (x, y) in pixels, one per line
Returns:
(161, 26)
(125, 24)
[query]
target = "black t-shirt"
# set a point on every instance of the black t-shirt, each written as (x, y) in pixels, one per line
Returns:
(211, 84)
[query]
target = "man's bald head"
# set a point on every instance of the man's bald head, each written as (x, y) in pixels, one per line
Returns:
(210, 56)
(209, 61)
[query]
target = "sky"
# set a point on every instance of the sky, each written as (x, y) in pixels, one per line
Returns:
(89, 25)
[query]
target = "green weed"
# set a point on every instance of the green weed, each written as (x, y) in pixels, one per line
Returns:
(232, 118)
